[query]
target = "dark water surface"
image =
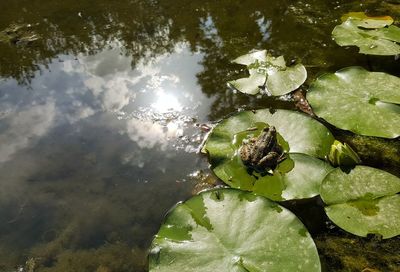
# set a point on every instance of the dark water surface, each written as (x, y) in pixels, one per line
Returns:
(100, 118)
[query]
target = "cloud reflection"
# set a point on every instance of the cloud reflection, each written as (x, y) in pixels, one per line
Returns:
(148, 134)
(25, 127)
(114, 94)
(152, 104)
(109, 78)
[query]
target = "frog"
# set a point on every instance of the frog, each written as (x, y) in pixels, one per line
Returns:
(262, 153)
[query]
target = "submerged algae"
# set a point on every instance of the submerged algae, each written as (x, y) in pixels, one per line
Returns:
(374, 151)
(116, 257)
(343, 252)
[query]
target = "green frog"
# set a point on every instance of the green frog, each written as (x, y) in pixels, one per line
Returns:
(262, 153)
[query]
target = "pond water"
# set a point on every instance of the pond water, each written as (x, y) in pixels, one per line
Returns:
(102, 117)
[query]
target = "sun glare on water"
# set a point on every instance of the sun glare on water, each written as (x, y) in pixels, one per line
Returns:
(166, 103)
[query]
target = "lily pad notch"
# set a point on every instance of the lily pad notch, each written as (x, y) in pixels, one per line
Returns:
(366, 103)
(268, 74)
(232, 230)
(364, 201)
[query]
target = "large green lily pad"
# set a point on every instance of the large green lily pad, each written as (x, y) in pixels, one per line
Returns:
(268, 73)
(303, 138)
(373, 35)
(231, 230)
(354, 99)
(363, 201)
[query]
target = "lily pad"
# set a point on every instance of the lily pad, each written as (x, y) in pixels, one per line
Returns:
(303, 139)
(268, 73)
(373, 35)
(231, 230)
(363, 102)
(363, 201)
(364, 21)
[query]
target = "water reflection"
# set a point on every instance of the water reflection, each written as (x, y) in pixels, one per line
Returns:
(97, 118)
(23, 127)
(166, 102)
(85, 150)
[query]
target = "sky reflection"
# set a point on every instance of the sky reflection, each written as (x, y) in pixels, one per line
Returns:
(92, 135)
(76, 89)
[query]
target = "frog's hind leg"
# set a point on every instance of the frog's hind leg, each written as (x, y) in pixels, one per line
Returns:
(269, 161)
